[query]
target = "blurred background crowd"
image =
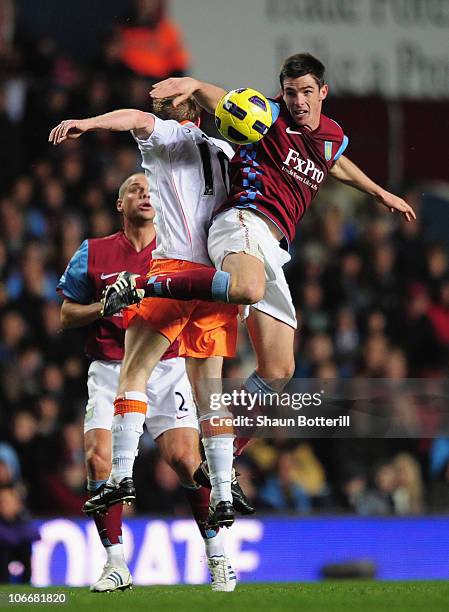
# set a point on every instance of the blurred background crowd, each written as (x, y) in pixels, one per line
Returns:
(372, 294)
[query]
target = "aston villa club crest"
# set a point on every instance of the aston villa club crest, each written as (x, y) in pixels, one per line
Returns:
(328, 150)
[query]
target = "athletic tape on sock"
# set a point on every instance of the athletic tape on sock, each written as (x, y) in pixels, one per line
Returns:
(216, 443)
(136, 427)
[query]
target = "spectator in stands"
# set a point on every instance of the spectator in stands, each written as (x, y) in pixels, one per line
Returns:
(315, 319)
(10, 151)
(298, 478)
(438, 314)
(408, 496)
(346, 339)
(374, 500)
(438, 493)
(437, 268)
(423, 349)
(17, 533)
(375, 353)
(150, 44)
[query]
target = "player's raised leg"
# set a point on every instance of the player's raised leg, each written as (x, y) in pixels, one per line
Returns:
(218, 436)
(180, 449)
(241, 281)
(247, 278)
(144, 348)
(239, 243)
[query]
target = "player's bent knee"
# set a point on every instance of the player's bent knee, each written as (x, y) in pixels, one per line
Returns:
(283, 370)
(246, 293)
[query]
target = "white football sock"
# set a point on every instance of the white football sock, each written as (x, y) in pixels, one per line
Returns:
(219, 455)
(115, 555)
(214, 546)
(126, 431)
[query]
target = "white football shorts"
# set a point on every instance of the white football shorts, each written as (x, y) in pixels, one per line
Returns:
(170, 400)
(239, 230)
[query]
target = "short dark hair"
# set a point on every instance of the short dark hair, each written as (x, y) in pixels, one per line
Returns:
(189, 110)
(301, 64)
(126, 183)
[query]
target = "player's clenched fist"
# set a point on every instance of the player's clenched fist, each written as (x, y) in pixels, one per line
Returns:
(68, 130)
(121, 294)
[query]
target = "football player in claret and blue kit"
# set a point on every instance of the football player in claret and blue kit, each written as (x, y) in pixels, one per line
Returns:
(272, 183)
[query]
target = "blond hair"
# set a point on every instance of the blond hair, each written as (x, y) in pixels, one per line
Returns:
(189, 110)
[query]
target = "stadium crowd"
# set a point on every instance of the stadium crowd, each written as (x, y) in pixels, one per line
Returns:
(372, 294)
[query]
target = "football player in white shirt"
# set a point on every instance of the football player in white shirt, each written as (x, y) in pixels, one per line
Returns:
(171, 418)
(188, 182)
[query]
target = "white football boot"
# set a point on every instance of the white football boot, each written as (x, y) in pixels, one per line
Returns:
(222, 575)
(113, 579)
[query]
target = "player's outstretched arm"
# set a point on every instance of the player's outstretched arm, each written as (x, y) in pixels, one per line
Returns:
(79, 315)
(182, 88)
(122, 120)
(345, 171)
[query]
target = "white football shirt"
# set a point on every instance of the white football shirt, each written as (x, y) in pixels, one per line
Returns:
(188, 178)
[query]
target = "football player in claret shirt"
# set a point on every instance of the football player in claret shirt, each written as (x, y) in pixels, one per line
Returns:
(273, 182)
(171, 417)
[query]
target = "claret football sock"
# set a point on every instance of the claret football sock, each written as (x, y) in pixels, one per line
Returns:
(127, 427)
(200, 284)
(109, 527)
(198, 498)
